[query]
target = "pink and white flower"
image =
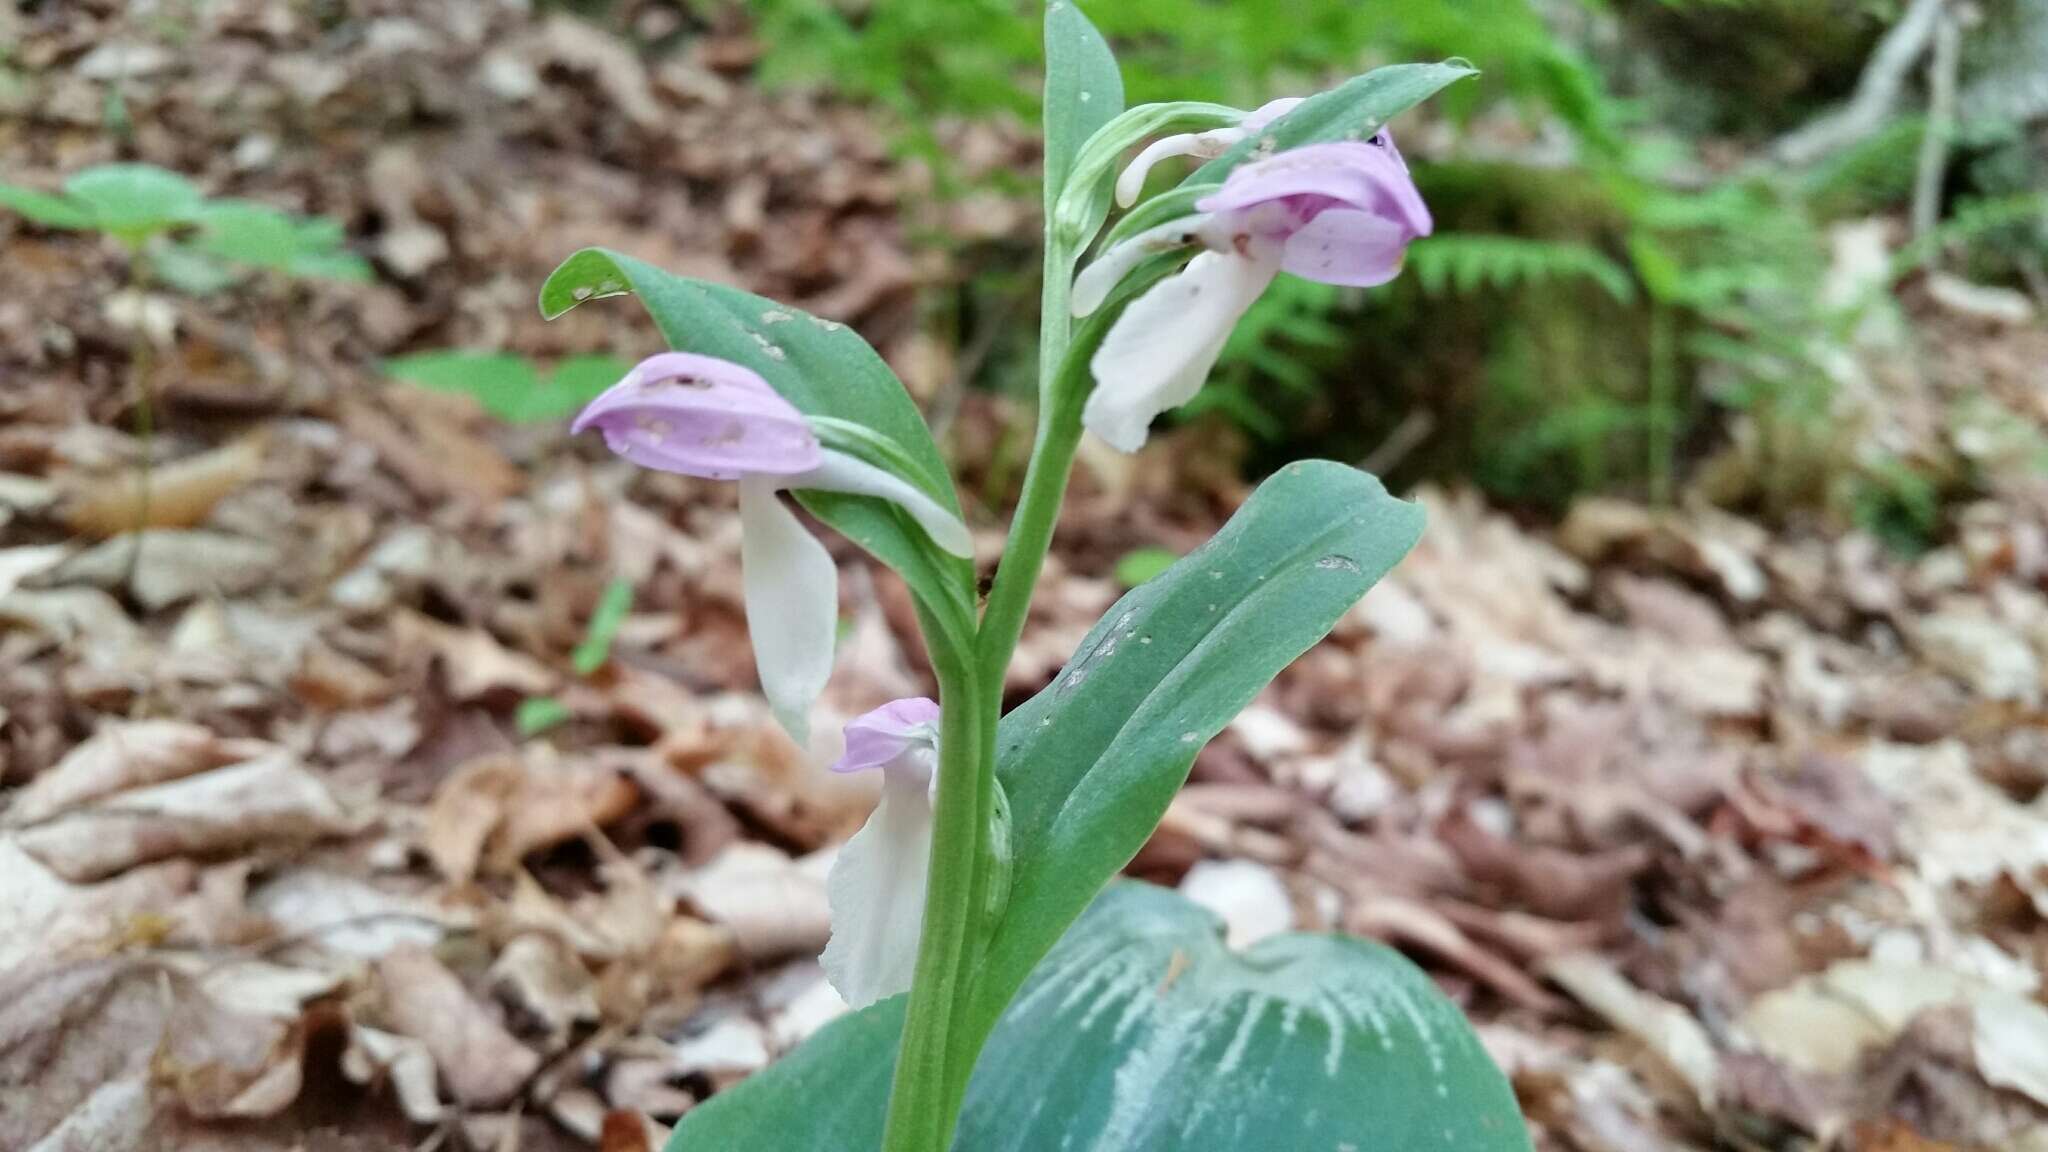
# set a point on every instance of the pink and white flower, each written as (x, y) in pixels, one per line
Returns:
(1336, 213)
(707, 417)
(877, 885)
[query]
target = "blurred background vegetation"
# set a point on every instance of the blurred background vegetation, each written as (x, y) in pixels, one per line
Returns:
(1652, 261)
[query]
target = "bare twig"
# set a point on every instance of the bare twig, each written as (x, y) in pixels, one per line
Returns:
(1877, 90)
(1408, 435)
(1941, 126)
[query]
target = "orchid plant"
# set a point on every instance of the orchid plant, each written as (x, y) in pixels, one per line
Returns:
(1001, 998)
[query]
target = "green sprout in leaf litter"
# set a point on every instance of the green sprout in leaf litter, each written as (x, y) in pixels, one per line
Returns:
(963, 934)
(177, 238)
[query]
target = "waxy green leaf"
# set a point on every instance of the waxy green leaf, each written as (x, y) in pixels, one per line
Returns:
(1091, 763)
(822, 367)
(1142, 1032)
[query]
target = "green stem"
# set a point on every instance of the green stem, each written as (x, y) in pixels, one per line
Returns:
(1045, 480)
(942, 1034)
(922, 1104)
(139, 360)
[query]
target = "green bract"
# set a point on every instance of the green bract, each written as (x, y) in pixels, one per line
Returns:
(1083, 92)
(1141, 1032)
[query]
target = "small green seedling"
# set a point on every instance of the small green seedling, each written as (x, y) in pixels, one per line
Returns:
(537, 714)
(509, 386)
(183, 240)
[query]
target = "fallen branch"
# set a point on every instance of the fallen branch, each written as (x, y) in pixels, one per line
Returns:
(1877, 90)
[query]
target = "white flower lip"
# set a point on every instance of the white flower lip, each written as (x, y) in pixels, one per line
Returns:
(877, 885)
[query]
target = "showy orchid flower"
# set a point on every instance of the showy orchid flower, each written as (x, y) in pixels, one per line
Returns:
(1336, 213)
(702, 416)
(1201, 145)
(877, 885)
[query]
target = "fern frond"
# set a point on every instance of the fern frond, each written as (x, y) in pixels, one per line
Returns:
(1970, 222)
(1466, 262)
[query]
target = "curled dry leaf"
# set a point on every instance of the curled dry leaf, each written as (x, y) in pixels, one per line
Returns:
(481, 1063)
(72, 1036)
(162, 567)
(176, 495)
(84, 616)
(271, 798)
(346, 916)
(493, 811)
(436, 454)
(19, 564)
(373, 1054)
(774, 906)
(472, 659)
(126, 755)
(541, 976)
(44, 916)
(1667, 1030)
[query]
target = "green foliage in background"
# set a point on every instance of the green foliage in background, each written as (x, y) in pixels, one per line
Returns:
(510, 386)
(1621, 306)
(183, 239)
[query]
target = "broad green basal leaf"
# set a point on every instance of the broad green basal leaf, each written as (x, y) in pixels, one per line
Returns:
(1090, 763)
(822, 367)
(1141, 1032)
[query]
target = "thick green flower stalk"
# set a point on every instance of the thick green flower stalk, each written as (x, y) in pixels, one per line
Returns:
(991, 1009)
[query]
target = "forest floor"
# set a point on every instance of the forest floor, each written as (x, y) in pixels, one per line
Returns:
(1724, 838)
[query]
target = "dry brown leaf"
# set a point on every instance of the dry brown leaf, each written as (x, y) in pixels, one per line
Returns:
(481, 1063)
(373, 1054)
(176, 495)
(269, 798)
(74, 1038)
(435, 453)
(43, 916)
(774, 906)
(1667, 1030)
(541, 976)
(19, 564)
(474, 662)
(490, 813)
(74, 615)
(2010, 1041)
(1953, 826)
(172, 566)
(349, 916)
(126, 755)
